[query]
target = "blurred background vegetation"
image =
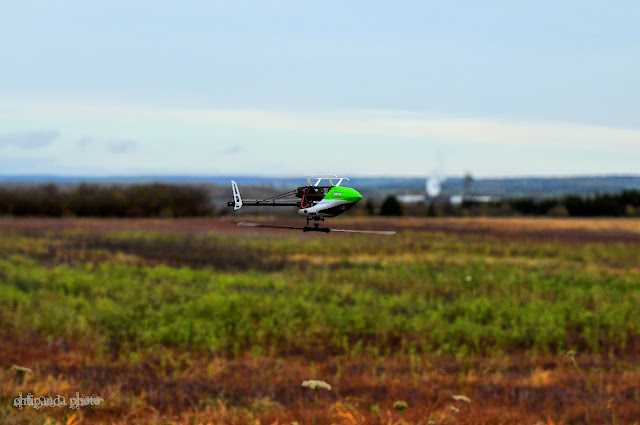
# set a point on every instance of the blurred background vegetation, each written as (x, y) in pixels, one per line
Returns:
(200, 200)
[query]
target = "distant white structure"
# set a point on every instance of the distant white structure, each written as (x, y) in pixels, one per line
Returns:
(411, 199)
(433, 187)
(456, 200)
(434, 184)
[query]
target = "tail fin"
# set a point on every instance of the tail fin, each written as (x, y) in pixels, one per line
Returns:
(236, 196)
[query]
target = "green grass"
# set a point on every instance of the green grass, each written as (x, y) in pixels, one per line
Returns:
(412, 292)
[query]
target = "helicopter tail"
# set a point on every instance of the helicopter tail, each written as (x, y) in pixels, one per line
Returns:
(236, 196)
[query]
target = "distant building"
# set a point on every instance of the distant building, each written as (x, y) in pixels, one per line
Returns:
(411, 199)
(457, 200)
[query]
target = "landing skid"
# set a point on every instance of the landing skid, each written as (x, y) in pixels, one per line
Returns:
(316, 228)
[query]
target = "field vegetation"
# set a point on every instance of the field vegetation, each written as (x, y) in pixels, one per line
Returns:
(191, 321)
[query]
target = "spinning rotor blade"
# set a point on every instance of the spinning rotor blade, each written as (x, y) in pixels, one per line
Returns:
(318, 229)
(372, 232)
(268, 226)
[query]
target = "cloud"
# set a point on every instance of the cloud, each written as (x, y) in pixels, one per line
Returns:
(387, 123)
(84, 142)
(113, 146)
(232, 150)
(122, 146)
(427, 127)
(30, 140)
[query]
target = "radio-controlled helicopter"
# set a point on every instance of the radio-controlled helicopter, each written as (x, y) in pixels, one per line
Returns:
(314, 201)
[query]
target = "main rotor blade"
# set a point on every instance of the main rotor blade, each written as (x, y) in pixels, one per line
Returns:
(321, 229)
(268, 226)
(373, 232)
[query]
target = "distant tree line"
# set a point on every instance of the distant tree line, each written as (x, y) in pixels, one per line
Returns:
(623, 204)
(626, 203)
(391, 207)
(173, 200)
(90, 200)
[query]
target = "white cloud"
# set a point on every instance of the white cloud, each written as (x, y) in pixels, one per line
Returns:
(83, 142)
(416, 125)
(30, 139)
(232, 150)
(122, 146)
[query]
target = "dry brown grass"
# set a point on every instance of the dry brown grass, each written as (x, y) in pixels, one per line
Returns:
(176, 386)
(556, 228)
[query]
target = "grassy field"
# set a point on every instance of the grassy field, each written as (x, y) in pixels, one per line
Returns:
(197, 321)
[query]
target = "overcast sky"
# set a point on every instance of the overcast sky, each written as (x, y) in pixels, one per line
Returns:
(295, 87)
